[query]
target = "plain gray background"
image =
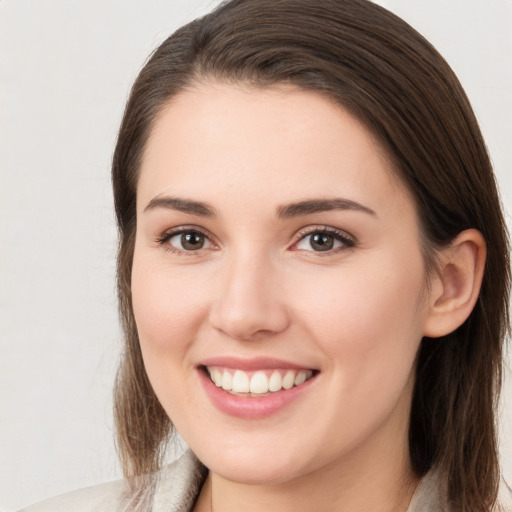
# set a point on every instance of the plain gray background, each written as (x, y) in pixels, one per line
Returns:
(65, 71)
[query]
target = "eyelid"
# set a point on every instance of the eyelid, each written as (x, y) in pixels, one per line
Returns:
(348, 240)
(169, 233)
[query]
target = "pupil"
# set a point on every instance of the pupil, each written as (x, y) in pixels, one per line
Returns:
(322, 242)
(192, 241)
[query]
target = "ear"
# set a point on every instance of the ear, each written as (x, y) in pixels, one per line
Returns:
(455, 288)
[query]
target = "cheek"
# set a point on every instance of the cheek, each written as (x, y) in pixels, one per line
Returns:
(168, 308)
(168, 305)
(367, 320)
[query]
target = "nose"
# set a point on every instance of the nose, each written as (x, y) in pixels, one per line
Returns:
(250, 303)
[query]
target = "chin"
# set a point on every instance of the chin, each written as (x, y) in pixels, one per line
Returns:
(252, 475)
(253, 467)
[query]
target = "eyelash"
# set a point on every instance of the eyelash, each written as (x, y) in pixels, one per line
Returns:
(341, 236)
(167, 235)
(347, 240)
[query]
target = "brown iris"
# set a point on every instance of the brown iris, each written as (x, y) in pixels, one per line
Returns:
(192, 241)
(322, 241)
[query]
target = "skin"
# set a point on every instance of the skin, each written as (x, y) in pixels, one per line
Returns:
(257, 287)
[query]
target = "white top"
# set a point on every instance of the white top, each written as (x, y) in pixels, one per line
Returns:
(177, 487)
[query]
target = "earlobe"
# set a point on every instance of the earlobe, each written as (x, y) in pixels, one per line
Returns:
(456, 286)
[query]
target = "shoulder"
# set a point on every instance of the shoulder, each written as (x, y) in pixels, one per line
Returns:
(431, 495)
(504, 498)
(99, 498)
(173, 488)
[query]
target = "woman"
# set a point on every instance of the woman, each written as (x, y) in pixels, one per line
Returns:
(313, 270)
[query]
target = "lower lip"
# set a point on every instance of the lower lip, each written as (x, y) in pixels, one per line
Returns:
(251, 407)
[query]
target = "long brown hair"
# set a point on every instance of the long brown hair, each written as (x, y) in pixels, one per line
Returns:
(388, 76)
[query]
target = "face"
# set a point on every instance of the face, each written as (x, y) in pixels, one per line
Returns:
(278, 282)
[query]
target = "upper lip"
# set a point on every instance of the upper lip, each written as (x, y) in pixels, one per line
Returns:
(253, 364)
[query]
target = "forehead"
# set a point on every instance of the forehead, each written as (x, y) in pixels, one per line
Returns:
(275, 143)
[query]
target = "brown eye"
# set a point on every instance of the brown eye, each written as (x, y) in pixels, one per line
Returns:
(324, 241)
(321, 242)
(189, 241)
(192, 241)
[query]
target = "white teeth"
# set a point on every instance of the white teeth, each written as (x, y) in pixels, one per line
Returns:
(289, 379)
(275, 381)
(300, 378)
(227, 381)
(217, 377)
(259, 383)
(240, 382)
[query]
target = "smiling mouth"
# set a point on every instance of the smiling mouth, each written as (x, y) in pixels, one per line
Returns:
(257, 383)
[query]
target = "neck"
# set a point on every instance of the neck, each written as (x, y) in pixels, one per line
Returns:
(348, 495)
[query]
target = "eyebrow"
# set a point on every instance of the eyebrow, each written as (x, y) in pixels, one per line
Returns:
(320, 205)
(182, 205)
(284, 211)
